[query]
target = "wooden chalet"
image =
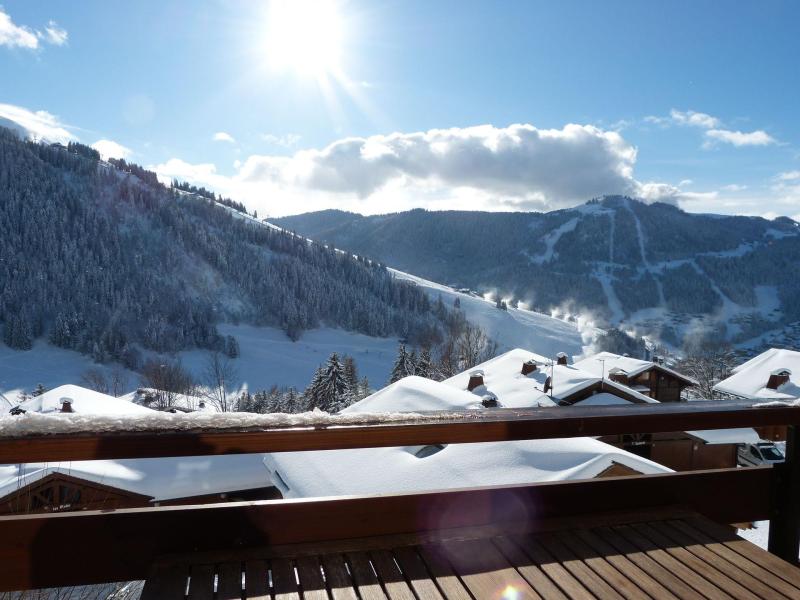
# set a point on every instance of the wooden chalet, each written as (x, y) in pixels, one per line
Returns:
(651, 536)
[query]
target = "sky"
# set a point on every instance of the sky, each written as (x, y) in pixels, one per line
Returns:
(380, 106)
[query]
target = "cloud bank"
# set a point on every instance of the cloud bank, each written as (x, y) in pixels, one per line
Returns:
(40, 124)
(111, 149)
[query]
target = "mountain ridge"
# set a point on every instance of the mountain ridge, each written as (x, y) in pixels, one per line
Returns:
(650, 267)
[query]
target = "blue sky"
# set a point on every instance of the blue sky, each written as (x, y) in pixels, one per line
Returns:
(475, 105)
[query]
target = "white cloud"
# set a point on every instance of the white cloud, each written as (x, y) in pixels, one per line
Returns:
(16, 36)
(20, 36)
(55, 35)
(693, 118)
(38, 125)
(739, 138)
(222, 136)
(111, 149)
(287, 141)
(789, 176)
(734, 187)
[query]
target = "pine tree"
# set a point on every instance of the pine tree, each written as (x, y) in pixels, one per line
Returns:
(231, 347)
(332, 386)
(424, 366)
(403, 365)
(40, 389)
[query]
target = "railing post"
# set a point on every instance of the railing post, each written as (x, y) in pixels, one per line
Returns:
(784, 524)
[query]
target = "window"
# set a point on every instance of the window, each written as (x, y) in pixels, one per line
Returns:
(755, 453)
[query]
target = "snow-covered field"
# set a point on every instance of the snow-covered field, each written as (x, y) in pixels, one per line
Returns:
(515, 327)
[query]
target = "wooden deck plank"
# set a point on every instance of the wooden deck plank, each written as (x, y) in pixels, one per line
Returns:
(621, 582)
(442, 572)
(756, 570)
(256, 585)
(699, 584)
(229, 586)
(416, 573)
(369, 588)
(578, 568)
(337, 578)
(485, 571)
(724, 535)
(709, 570)
(311, 581)
(391, 576)
(553, 569)
(724, 566)
(165, 583)
(201, 582)
(532, 573)
(284, 582)
(624, 564)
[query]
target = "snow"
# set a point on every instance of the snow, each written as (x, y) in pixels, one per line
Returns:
(399, 469)
(84, 401)
(268, 357)
(551, 239)
(745, 435)
(749, 380)
(49, 365)
(758, 534)
(608, 361)
(160, 478)
(603, 399)
(515, 327)
(503, 377)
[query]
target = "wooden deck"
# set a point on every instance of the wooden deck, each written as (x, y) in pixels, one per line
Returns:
(674, 555)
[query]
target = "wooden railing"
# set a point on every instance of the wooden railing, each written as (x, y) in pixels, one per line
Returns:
(61, 549)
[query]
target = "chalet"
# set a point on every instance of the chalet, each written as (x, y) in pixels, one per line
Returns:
(85, 485)
(650, 378)
(773, 375)
(521, 379)
(414, 468)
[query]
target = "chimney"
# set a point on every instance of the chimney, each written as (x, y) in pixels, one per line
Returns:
(561, 358)
(475, 380)
(528, 367)
(66, 405)
(490, 401)
(778, 377)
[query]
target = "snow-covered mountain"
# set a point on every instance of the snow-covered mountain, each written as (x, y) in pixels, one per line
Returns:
(100, 261)
(652, 267)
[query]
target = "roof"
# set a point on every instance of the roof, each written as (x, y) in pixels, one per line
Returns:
(631, 367)
(502, 377)
(161, 478)
(84, 401)
(179, 401)
(400, 469)
(745, 435)
(749, 380)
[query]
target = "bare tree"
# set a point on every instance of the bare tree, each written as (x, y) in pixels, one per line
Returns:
(708, 365)
(168, 380)
(119, 381)
(220, 375)
(95, 379)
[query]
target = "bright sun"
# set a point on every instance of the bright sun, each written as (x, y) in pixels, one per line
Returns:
(304, 36)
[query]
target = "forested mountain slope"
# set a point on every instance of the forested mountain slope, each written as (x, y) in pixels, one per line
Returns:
(649, 265)
(102, 258)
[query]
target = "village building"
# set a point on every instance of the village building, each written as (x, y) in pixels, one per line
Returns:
(647, 377)
(440, 466)
(105, 484)
(773, 375)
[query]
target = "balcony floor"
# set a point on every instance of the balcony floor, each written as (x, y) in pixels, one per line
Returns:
(672, 554)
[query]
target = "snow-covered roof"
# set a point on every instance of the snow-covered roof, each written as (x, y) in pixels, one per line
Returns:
(603, 399)
(631, 367)
(161, 478)
(84, 401)
(745, 435)
(400, 469)
(502, 376)
(179, 401)
(749, 380)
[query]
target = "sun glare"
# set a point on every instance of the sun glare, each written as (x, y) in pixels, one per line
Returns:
(304, 36)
